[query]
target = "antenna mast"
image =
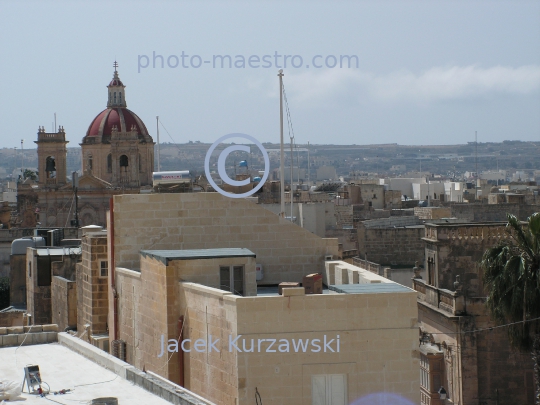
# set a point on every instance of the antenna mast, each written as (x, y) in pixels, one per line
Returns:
(281, 152)
(22, 158)
(476, 164)
(158, 154)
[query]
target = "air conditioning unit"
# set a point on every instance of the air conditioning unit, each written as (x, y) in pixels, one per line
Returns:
(101, 342)
(328, 258)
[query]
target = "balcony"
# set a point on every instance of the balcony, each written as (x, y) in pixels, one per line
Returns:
(451, 302)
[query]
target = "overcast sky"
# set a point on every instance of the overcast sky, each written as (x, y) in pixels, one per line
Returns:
(426, 72)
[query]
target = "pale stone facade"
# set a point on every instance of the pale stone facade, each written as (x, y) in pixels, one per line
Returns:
(157, 288)
(209, 220)
(477, 367)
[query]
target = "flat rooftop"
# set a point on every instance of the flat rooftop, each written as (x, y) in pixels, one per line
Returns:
(166, 256)
(372, 288)
(273, 291)
(62, 368)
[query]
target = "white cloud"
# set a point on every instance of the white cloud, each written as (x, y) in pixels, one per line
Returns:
(438, 83)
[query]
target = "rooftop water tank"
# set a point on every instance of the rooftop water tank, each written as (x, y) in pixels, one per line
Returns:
(18, 246)
(91, 229)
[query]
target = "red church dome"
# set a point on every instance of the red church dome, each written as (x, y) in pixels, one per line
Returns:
(121, 118)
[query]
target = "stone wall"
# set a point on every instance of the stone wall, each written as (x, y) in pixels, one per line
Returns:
(17, 280)
(212, 375)
(28, 335)
(11, 318)
(378, 342)
(392, 222)
(64, 302)
(92, 288)
(206, 271)
(492, 212)
(344, 216)
(391, 246)
(432, 212)
(210, 220)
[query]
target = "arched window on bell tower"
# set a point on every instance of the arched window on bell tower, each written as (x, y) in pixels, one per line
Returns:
(109, 163)
(50, 167)
(89, 162)
(124, 163)
(115, 97)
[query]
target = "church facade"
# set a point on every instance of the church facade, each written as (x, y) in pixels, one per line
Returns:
(117, 158)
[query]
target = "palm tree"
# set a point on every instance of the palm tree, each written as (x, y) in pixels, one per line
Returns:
(512, 281)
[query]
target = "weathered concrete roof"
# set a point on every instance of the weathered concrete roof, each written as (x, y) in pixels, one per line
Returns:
(166, 256)
(62, 368)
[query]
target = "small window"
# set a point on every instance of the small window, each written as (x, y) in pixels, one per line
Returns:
(231, 278)
(104, 268)
(29, 269)
(115, 97)
(329, 389)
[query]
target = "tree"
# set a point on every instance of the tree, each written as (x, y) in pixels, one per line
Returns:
(512, 281)
(30, 174)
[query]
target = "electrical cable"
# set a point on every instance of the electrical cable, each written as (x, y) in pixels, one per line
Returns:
(177, 341)
(95, 383)
(484, 329)
(18, 347)
(174, 142)
(258, 397)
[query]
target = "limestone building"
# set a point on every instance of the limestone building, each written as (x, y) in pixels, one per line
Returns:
(185, 268)
(117, 158)
(459, 350)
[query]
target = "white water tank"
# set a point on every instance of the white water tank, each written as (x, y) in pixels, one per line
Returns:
(91, 229)
(258, 272)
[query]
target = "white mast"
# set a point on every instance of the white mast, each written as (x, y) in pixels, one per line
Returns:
(291, 187)
(281, 152)
(158, 154)
(22, 158)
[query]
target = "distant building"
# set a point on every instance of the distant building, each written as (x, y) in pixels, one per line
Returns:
(117, 158)
(459, 351)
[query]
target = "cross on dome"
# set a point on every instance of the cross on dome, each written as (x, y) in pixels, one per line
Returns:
(116, 90)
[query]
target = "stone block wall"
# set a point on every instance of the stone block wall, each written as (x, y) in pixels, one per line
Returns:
(391, 246)
(378, 343)
(344, 216)
(28, 335)
(92, 288)
(392, 222)
(206, 271)
(17, 280)
(213, 375)
(210, 220)
(432, 212)
(492, 212)
(64, 302)
(11, 318)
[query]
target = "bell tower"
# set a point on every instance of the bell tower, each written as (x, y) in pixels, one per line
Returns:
(52, 157)
(117, 91)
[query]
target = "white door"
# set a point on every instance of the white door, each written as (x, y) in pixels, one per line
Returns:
(329, 389)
